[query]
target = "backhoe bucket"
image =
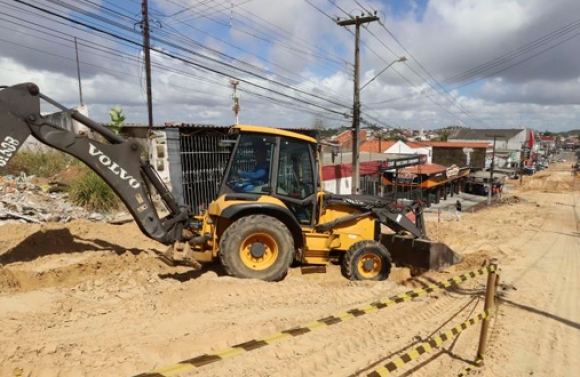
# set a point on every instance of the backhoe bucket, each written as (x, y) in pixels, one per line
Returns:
(419, 254)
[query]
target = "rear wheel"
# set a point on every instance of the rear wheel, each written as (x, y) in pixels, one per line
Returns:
(367, 260)
(257, 247)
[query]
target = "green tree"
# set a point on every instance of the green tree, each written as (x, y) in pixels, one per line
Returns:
(443, 136)
(117, 119)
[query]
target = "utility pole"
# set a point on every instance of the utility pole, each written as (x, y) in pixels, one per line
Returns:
(491, 167)
(234, 83)
(147, 50)
(357, 21)
(79, 72)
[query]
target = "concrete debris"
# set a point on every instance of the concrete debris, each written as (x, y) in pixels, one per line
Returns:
(96, 217)
(24, 200)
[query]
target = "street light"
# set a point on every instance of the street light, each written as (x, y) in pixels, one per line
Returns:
(400, 60)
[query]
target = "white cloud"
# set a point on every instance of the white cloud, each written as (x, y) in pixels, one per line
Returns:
(312, 53)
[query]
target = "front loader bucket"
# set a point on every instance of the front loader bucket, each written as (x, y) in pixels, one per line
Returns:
(419, 254)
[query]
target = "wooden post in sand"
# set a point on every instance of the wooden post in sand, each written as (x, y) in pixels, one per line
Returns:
(488, 306)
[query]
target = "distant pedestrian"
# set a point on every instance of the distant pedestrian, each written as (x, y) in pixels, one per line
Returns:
(458, 210)
(495, 191)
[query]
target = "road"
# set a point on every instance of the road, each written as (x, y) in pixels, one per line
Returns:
(92, 303)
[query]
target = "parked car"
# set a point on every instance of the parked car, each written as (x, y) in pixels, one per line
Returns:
(528, 170)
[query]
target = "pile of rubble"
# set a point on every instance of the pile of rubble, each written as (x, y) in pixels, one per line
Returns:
(27, 199)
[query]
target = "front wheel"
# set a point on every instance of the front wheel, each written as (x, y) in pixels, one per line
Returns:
(257, 247)
(367, 260)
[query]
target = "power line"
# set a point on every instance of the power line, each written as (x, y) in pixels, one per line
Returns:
(309, 103)
(199, 15)
(273, 27)
(514, 54)
(449, 96)
(182, 48)
(288, 80)
(100, 68)
(479, 70)
(380, 57)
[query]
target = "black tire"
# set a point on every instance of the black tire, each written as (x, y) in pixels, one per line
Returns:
(367, 260)
(257, 247)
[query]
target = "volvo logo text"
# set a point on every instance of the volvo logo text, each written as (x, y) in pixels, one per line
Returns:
(113, 166)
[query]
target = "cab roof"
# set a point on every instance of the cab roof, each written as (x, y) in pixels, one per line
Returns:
(274, 131)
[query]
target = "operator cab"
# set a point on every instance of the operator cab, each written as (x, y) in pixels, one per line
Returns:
(278, 163)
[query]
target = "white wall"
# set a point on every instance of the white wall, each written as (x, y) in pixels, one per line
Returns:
(400, 147)
(159, 156)
(513, 144)
(341, 186)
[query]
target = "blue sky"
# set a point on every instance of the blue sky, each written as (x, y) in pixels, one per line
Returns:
(481, 64)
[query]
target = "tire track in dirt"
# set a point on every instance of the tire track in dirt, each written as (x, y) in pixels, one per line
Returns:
(447, 312)
(542, 316)
(544, 330)
(441, 366)
(565, 311)
(348, 346)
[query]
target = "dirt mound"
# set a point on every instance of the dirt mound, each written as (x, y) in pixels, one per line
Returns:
(473, 261)
(75, 269)
(548, 183)
(24, 242)
(62, 255)
(8, 281)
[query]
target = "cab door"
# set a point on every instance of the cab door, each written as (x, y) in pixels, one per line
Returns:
(296, 183)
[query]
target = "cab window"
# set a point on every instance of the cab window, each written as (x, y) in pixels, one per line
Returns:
(295, 173)
(252, 164)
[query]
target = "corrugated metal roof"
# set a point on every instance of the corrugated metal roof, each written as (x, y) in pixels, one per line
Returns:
(456, 144)
(138, 125)
(424, 169)
(305, 131)
(346, 157)
(195, 125)
(483, 134)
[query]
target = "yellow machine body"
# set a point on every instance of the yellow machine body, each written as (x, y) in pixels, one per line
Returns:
(262, 226)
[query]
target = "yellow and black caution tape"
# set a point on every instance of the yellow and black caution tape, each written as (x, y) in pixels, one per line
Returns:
(425, 347)
(466, 371)
(199, 361)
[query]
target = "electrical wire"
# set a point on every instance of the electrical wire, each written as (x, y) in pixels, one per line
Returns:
(134, 43)
(447, 96)
(184, 49)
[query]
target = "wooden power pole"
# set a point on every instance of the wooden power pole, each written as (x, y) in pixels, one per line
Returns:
(357, 21)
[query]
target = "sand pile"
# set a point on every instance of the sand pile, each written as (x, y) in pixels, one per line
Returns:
(89, 299)
(8, 282)
(548, 183)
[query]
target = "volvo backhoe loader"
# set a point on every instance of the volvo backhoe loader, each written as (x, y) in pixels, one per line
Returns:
(270, 211)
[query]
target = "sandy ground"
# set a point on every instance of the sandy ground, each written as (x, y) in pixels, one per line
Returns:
(90, 299)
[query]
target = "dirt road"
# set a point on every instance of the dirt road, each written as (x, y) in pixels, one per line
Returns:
(91, 300)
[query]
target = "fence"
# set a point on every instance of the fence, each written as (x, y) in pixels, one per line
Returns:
(203, 162)
(484, 317)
